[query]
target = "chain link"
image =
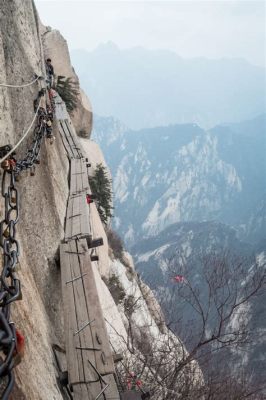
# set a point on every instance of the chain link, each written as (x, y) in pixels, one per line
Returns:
(10, 288)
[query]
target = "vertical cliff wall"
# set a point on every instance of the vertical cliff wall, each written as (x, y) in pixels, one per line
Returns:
(42, 203)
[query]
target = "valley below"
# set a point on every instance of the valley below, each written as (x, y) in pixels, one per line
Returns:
(190, 206)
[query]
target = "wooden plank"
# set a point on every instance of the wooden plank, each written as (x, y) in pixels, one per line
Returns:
(68, 138)
(89, 219)
(77, 214)
(79, 389)
(67, 133)
(89, 214)
(82, 336)
(64, 140)
(74, 139)
(111, 392)
(73, 185)
(59, 109)
(69, 314)
(63, 129)
(68, 224)
(76, 228)
(76, 218)
(84, 223)
(85, 180)
(79, 176)
(104, 358)
(84, 210)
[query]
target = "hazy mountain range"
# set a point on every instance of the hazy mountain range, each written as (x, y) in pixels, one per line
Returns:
(149, 88)
(183, 173)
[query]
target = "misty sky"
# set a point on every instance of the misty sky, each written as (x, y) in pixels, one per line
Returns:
(195, 28)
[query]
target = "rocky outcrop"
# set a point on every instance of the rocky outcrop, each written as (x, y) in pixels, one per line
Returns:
(55, 47)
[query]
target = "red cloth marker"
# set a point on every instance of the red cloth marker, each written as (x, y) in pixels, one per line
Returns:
(178, 278)
(89, 199)
(20, 348)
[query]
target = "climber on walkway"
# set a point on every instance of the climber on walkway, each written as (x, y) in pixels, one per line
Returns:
(49, 72)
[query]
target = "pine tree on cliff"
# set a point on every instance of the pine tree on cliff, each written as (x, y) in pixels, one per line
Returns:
(101, 186)
(68, 90)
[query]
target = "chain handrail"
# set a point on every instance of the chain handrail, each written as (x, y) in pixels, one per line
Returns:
(20, 86)
(10, 289)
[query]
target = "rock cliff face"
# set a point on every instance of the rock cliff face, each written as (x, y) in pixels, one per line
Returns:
(42, 201)
(24, 43)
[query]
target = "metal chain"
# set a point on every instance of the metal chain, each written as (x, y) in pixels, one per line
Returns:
(32, 155)
(10, 289)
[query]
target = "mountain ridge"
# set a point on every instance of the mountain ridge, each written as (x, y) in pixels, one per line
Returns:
(177, 90)
(216, 174)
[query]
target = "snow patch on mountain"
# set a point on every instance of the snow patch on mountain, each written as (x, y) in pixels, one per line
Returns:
(155, 253)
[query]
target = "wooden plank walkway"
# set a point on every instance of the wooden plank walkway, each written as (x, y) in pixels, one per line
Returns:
(88, 352)
(77, 217)
(67, 132)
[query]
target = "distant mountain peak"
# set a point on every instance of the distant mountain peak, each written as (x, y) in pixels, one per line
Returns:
(107, 46)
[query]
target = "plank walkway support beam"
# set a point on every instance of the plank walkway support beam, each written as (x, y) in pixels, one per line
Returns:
(90, 363)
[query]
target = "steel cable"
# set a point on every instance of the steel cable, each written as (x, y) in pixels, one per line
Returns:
(20, 86)
(23, 137)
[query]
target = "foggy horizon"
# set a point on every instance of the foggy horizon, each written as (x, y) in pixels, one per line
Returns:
(159, 49)
(190, 29)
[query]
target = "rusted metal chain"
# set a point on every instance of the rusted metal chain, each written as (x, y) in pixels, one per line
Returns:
(10, 289)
